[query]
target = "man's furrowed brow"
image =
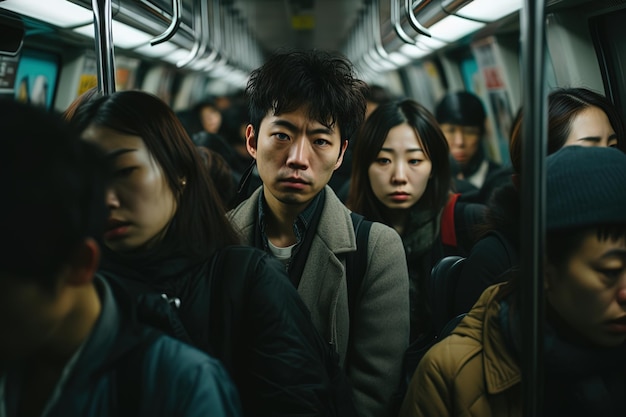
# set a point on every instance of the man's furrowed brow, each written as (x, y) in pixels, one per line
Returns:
(284, 123)
(290, 126)
(321, 131)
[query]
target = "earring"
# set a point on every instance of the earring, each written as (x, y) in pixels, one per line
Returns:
(183, 182)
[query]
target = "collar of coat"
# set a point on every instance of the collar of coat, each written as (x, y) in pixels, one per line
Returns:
(335, 228)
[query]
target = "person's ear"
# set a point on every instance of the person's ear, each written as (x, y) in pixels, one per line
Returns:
(342, 152)
(84, 263)
(251, 141)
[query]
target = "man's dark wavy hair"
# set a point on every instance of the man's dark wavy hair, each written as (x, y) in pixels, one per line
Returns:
(321, 81)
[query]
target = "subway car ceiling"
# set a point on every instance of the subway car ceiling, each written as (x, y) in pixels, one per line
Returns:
(414, 48)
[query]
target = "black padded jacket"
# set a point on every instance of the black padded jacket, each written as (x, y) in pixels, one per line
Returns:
(240, 307)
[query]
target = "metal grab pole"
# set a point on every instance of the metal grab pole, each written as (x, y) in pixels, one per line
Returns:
(104, 46)
(533, 194)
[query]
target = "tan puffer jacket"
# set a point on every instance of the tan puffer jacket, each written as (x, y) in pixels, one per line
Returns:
(469, 373)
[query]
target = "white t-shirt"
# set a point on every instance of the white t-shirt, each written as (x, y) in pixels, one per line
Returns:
(282, 254)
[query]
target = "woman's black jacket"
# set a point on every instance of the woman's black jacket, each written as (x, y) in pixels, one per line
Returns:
(240, 307)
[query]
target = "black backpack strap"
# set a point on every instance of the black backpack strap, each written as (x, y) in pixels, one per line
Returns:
(414, 354)
(356, 262)
(245, 184)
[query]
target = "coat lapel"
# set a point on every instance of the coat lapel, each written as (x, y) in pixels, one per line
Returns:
(323, 283)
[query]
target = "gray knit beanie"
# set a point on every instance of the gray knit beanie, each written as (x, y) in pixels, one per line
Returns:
(585, 186)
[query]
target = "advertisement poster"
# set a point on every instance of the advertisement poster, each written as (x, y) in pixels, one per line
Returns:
(471, 76)
(36, 78)
(497, 98)
(125, 73)
(88, 78)
(8, 70)
(434, 77)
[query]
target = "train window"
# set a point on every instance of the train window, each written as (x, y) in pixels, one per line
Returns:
(608, 31)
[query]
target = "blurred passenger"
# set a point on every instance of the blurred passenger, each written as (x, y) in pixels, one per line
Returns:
(576, 116)
(243, 164)
(210, 135)
(477, 370)
(221, 174)
(462, 118)
(167, 234)
(234, 132)
(204, 116)
(209, 114)
(202, 123)
(70, 346)
(304, 107)
(375, 95)
(402, 179)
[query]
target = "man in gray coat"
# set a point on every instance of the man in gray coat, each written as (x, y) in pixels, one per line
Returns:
(304, 106)
(68, 346)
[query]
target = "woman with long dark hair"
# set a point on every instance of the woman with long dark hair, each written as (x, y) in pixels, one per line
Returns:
(167, 234)
(401, 177)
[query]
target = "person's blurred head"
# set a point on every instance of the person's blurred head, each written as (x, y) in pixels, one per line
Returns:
(160, 186)
(234, 128)
(221, 174)
(585, 275)
(209, 114)
(52, 215)
(400, 160)
(461, 116)
(576, 116)
(375, 95)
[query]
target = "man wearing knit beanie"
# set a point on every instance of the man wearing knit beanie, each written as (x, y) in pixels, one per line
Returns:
(477, 367)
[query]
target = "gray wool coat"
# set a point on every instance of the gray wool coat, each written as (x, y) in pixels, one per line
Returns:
(381, 330)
